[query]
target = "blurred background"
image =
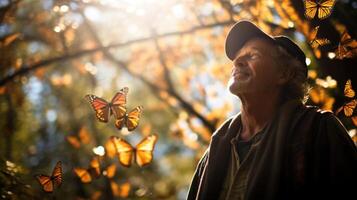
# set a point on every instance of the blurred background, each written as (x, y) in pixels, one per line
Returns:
(170, 53)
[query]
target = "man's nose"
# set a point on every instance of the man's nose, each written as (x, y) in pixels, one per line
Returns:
(239, 62)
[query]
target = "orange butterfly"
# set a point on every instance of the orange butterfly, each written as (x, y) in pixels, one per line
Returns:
(347, 48)
(120, 190)
(129, 120)
(143, 152)
(348, 91)
(349, 107)
(316, 42)
(103, 109)
(86, 175)
(83, 137)
(48, 182)
(322, 7)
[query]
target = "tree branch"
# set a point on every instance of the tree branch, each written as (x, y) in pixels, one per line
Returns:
(24, 69)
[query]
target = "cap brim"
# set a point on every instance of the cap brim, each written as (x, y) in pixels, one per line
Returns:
(239, 34)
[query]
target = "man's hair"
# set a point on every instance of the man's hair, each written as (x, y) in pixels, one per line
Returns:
(296, 87)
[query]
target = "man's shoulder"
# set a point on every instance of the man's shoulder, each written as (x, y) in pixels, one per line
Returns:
(319, 113)
(226, 124)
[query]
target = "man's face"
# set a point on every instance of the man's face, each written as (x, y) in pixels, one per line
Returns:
(254, 69)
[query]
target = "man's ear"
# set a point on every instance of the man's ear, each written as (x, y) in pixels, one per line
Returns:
(285, 76)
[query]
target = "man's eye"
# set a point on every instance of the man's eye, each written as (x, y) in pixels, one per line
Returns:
(253, 56)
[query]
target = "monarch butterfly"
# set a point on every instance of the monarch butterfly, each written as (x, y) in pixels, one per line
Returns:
(120, 190)
(86, 175)
(143, 152)
(348, 108)
(82, 138)
(48, 182)
(322, 7)
(316, 42)
(347, 48)
(130, 120)
(103, 109)
(348, 91)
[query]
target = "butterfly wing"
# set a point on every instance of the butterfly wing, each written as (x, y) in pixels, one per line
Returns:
(119, 122)
(84, 136)
(83, 174)
(57, 174)
(325, 9)
(118, 103)
(94, 168)
(348, 91)
(349, 107)
(124, 151)
(124, 190)
(340, 52)
(310, 8)
(133, 118)
(73, 141)
(115, 188)
(110, 150)
(100, 106)
(45, 182)
(110, 172)
(315, 43)
(313, 33)
(144, 150)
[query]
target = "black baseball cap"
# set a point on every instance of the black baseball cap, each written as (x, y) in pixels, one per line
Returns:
(244, 30)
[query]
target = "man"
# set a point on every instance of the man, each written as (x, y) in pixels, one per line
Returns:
(276, 148)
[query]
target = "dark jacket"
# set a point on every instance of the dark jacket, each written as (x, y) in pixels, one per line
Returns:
(304, 153)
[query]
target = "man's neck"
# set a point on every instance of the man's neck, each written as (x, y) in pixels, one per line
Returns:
(257, 111)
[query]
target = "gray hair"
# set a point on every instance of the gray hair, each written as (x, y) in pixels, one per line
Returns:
(296, 87)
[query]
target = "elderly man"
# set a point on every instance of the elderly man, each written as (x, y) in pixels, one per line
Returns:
(276, 148)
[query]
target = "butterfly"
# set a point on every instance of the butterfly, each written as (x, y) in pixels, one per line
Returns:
(129, 120)
(316, 42)
(120, 190)
(348, 91)
(82, 138)
(143, 152)
(103, 109)
(322, 7)
(86, 175)
(48, 182)
(347, 48)
(349, 107)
